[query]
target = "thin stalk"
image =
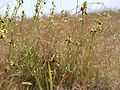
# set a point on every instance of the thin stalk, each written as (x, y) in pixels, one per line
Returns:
(36, 78)
(82, 24)
(50, 76)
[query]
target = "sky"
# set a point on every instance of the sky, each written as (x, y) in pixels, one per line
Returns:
(60, 5)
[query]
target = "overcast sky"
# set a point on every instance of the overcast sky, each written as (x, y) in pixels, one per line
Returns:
(61, 4)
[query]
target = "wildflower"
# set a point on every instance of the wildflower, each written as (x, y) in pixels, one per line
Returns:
(93, 29)
(99, 25)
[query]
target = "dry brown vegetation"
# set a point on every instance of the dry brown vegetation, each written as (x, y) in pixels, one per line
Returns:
(62, 52)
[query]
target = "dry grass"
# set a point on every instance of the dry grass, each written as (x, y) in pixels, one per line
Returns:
(61, 53)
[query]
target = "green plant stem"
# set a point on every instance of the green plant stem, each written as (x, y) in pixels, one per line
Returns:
(50, 76)
(36, 78)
